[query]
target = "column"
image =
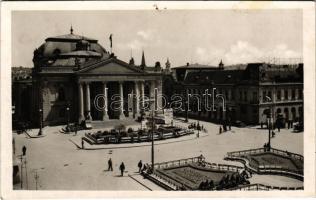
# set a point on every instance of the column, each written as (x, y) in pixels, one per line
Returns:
(142, 87)
(88, 110)
(136, 92)
(80, 102)
(105, 109)
(152, 96)
(122, 116)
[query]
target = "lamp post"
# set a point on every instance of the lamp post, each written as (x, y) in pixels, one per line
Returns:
(67, 109)
(40, 121)
(270, 123)
(152, 135)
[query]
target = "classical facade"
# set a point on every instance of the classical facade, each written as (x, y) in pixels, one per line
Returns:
(74, 78)
(250, 91)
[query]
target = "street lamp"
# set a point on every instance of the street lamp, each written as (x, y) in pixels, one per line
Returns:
(67, 115)
(270, 123)
(40, 121)
(150, 101)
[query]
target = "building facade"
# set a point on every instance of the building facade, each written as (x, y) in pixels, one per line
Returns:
(250, 92)
(74, 79)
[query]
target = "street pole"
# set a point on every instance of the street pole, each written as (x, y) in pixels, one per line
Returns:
(186, 107)
(152, 140)
(41, 121)
(21, 157)
(67, 115)
(270, 123)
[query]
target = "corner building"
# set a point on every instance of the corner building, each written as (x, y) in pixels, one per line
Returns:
(251, 91)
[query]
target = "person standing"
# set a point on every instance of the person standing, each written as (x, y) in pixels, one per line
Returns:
(24, 150)
(122, 168)
(140, 165)
(110, 165)
(82, 143)
(220, 129)
(76, 128)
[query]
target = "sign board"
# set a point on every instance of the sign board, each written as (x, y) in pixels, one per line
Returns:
(144, 123)
(168, 115)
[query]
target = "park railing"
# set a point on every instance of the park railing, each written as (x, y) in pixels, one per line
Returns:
(263, 150)
(253, 164)
(177, 163)
(200, 161)
(264, 187)
(222, 167)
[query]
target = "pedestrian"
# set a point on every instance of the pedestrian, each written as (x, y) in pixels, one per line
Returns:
(82, 143)
(140, 165)
(261, 123)
(110, 166)
(220, 129)
(265, 147)
(76, 125)
(24, 150)
(122, 168)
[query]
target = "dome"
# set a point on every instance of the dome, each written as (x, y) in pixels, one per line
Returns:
(66, 46)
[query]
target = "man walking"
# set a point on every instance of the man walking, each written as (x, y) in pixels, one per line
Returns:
(140, 165)
(82, 143)
(24, 151)
(110, 166)
(122, 168)
(76, 127)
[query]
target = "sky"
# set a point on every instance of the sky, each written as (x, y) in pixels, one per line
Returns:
(194, 36)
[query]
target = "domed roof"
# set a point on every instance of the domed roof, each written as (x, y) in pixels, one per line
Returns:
(68, 46)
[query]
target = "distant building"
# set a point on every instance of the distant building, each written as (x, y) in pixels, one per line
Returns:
(250, 91)
(69, 73)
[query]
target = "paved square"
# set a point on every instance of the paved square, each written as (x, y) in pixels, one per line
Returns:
(60, 165)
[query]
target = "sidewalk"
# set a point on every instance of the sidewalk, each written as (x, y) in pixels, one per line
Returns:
(77, 142)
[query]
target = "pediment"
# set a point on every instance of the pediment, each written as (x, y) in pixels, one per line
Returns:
(110, 67)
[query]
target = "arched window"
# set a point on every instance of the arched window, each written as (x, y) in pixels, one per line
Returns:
(61, 94)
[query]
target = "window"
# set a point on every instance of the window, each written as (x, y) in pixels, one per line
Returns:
(293, 94)
(264, 94)
(254, 97)
(286, 94)
(270, 95)
(300, 94)
(279, 95)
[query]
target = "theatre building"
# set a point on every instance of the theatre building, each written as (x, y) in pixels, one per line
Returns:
(70, 74)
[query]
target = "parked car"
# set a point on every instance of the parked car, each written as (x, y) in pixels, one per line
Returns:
(239, 124)
(298, 127)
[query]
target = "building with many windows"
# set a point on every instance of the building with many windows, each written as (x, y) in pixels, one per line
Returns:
(250, 91)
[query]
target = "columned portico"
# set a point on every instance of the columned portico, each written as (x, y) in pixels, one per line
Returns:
(105, 107)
